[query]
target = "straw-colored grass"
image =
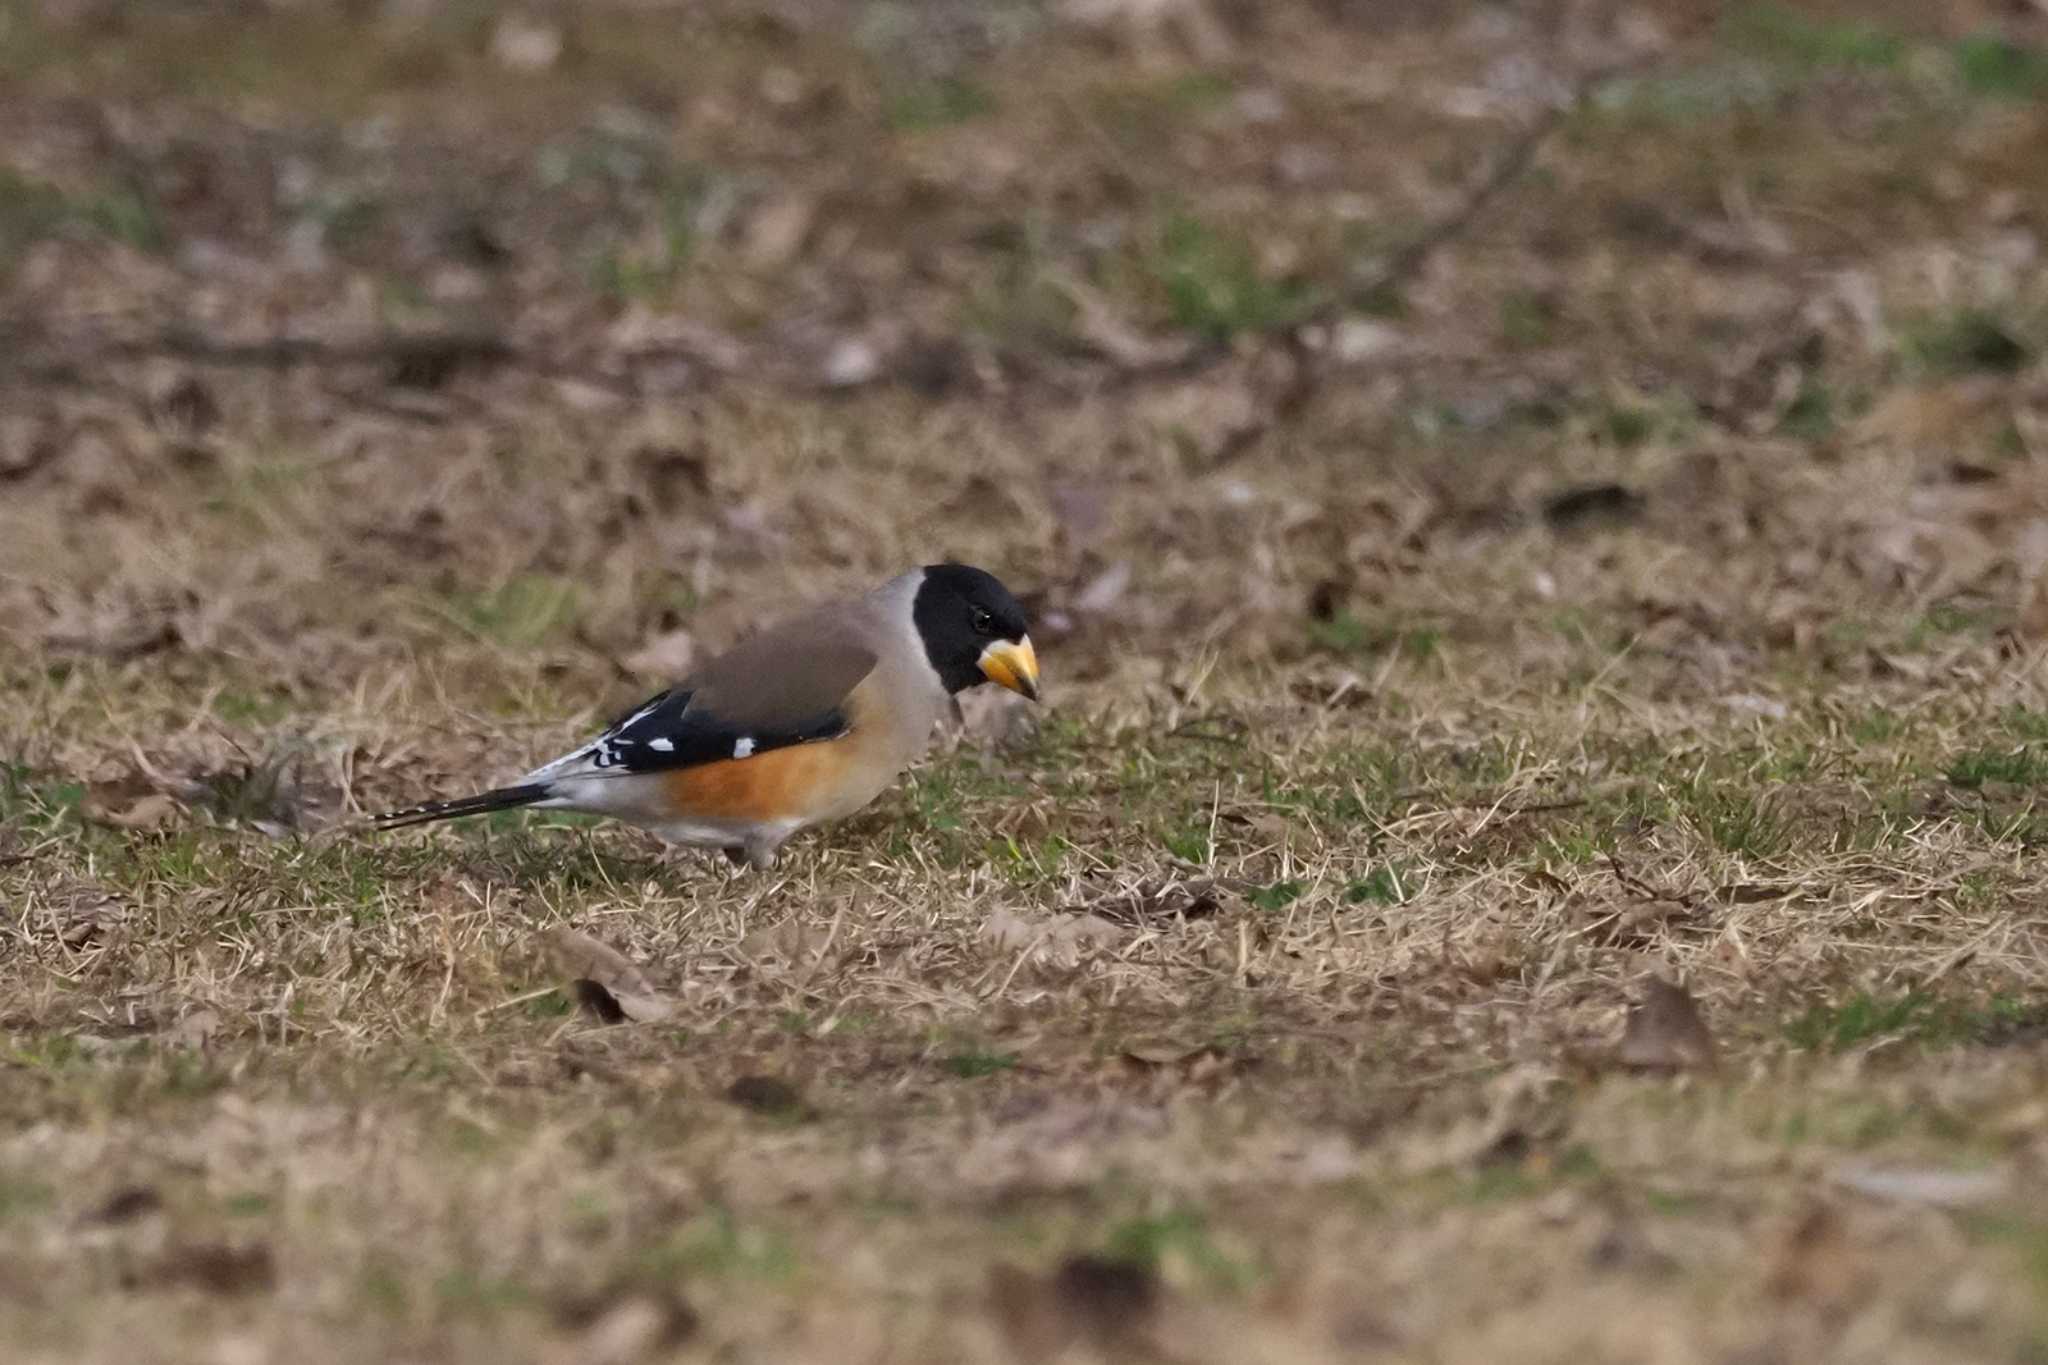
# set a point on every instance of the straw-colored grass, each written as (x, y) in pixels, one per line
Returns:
(1653, 590)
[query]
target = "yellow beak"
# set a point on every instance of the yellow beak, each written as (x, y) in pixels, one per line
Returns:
(1014, 666)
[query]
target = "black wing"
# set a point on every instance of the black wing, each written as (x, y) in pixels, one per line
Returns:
(761, 696)
(673, 730)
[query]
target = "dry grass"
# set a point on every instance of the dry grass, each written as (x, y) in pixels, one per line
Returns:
(1650, 586)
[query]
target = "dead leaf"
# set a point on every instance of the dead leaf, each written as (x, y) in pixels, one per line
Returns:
(994, 716)
(1105, 590)
(519, 43)
(125, 1205)
(1817, 1264)
(615, 1329)
(794, 941)
(26, 445)
(1752, 893)
(1165, 1053)
(1591, 505)
(664, 658)
(83, 913)
(849, 362)
(1923, 1185)
(1150, 901)
(768, 1095)
(1058, 939)
(218, 1267)
(1107, 1300)
(1097, 322)
(1665, 1031)
(672, 476)
(604, 980)
(1109, 1293)
(1009, 931)
(195, 1030)
(187, 407)
(148, 813)
(1152, 28)
(1081, 510)
(1634, 924)
(777, 231)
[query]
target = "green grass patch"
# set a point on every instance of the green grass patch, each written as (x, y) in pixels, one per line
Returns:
(1345, 633)
(1736, 818)
(1966, 341)
(974, 1063)
(1527, 319)
(2025, 723)
(1277, 896)
(1381, 886)
(31, 210)
(466, 1295)
(1190, 845)
(1211, 281)
(1812, 413)
(2021, 766)
(650, 267)
(1991, 66)
(1180, 1234)
(719, 1244)
(940, 103)
(1862, 1018)
(1788, 36)
(20, 1196)
(523, 611)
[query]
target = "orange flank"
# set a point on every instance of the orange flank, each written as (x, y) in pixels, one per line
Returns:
(798, 782)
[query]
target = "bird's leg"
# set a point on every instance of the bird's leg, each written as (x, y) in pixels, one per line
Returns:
(760, 854)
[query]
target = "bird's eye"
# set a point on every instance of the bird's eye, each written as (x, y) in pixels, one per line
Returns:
(984, 624)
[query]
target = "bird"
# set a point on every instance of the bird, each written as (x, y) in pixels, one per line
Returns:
(802, 723)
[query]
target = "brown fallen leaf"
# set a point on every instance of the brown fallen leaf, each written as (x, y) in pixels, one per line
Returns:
(125, 1205)
(526, 45)
(1817, 1264)
(664, 658)
(994, 717)
(1109, 1293)
(1108, 1301)
(1164, 1051)
(149, 813)
(106, 803)
(768, 1095)
(777, 231)
(1097, 323)
(1665, 1031)
(1105, 590)
(794, 942)
(604, 980)
(219, 1267)
(1061, 939)
(1923, 1185)
(613, 1328)
(83, 913)
(195, 1030)
(186, 407)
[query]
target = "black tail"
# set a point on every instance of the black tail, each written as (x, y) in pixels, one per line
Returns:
(504, 798)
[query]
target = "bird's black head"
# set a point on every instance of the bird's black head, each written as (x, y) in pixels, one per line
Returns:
(973, 630)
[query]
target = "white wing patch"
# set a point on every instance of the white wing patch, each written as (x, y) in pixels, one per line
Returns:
(661, 746)
(649, 709)
(743, 747)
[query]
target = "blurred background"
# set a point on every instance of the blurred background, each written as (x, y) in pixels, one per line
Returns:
(1515, 497)
(335, 333)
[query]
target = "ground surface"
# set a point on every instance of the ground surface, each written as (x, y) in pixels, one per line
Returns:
(1523, 503)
